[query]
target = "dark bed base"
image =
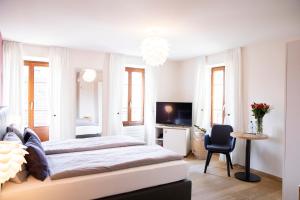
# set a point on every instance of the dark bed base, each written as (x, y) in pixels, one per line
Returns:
(180, 190)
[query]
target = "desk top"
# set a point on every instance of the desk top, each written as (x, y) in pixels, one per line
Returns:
(249, 136)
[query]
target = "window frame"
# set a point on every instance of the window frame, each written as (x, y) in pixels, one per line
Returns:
(129, 122)
(213, 70)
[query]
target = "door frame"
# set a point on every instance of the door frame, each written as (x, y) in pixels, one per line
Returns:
(31, 65)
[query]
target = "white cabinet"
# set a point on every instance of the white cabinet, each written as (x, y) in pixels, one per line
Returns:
(176, 139)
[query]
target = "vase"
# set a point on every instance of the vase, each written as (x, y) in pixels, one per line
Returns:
(259, 125)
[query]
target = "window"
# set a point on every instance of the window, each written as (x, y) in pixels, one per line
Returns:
(133, 96)
(36, 103)
(217, 95)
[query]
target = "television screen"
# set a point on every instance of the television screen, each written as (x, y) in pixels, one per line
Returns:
(174, 113)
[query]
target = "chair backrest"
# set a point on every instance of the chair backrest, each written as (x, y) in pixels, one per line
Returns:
(220, 134)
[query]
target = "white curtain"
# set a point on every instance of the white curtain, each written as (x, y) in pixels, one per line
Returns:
(116, 67)
(13, 81)
(234, 97)
(117, 64)
(62, 123)
(233, 94)
(233, 89)
(201, 102)
(150, 104)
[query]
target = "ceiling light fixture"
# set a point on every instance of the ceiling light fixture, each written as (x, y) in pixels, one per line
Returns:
(155, 51)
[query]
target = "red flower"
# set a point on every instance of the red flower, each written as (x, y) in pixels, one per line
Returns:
(260, 109)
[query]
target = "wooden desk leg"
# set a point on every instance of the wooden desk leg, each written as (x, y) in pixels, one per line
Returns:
(247, 176)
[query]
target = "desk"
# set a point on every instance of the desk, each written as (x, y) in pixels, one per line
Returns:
(247, 176)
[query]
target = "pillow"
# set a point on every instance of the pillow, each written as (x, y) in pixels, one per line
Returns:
(2, 131)
(21, 175)
(11, 136)
(28, 133)
(34, 139)
(3, 121)
(37, 164)
(12, 128)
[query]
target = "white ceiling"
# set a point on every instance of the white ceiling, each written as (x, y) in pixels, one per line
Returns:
(192, 27)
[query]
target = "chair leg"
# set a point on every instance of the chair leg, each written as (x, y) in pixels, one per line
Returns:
(207, 160)
(228, 164)
(210, 155)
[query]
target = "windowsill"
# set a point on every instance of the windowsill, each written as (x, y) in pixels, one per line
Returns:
(134, 126)
(133, 123)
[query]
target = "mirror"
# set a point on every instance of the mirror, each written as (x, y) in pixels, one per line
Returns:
(89, 91)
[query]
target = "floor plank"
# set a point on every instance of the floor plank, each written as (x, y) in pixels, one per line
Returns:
(215, 185)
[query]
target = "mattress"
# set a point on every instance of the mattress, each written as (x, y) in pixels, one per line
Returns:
(97, 185)
(67, 165)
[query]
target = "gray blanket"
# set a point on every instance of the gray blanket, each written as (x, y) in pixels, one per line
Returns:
(88, 144)
(106, 160)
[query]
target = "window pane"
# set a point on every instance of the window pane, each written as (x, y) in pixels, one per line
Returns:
(218, 95)
(137, 97)
(25, 94)
(125, 97)
(41, 96)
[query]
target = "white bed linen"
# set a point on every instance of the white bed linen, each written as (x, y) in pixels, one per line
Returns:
(96, 185)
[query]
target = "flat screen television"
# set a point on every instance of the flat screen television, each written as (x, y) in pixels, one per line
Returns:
(174, 113)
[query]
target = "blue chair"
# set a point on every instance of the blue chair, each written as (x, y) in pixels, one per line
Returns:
(220, 141)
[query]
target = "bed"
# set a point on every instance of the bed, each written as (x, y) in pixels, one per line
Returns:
(86, 144)
(104, 185)
(159, 180)
(118, 180)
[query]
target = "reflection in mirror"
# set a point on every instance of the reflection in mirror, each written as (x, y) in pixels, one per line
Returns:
(89, 103)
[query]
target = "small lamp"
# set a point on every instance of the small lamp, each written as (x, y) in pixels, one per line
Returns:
(11, 160)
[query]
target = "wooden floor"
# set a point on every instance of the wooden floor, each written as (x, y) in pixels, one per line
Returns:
(215, 185)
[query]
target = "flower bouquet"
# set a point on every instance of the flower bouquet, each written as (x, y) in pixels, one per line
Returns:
(259, 110)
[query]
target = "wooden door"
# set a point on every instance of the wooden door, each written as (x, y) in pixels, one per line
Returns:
(37, 112)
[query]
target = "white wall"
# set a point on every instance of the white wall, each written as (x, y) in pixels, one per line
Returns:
(167, 82)
(291, 176)
(264, 81)
(83, 59)
(79, 59)
(187, 79)
(176, 81)
(167, 77)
